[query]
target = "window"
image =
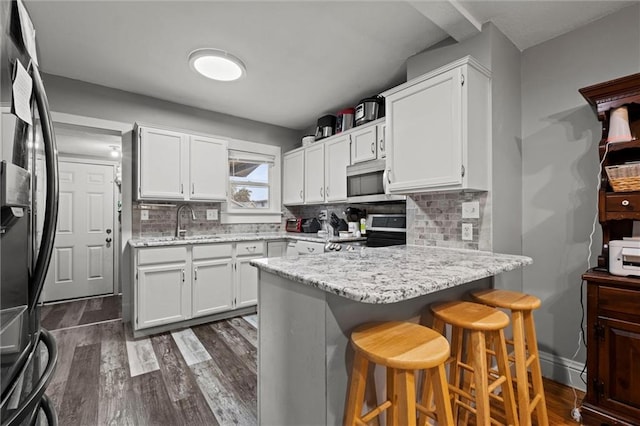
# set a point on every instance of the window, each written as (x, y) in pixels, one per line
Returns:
(249, 181)
(254, 184)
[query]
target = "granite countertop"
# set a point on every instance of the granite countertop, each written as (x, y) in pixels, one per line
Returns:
(229, 238)
(391, 274)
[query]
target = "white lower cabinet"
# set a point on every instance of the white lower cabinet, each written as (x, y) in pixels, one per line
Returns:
(212, 267)
(163, 286)
(174, 284)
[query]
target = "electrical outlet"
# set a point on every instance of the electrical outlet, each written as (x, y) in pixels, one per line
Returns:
(467, 232)
(471, 210)
(323, 215)
(212, 214)
(144, 214)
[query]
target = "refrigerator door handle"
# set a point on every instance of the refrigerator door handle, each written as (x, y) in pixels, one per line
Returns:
(34, 397)
(51, 203)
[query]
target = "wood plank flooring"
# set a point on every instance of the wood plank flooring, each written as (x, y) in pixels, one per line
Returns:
(78, 312)
(203, 375)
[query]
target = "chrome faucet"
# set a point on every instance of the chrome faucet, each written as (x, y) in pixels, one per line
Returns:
(180, 233)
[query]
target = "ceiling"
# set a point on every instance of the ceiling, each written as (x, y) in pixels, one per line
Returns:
(304, 58)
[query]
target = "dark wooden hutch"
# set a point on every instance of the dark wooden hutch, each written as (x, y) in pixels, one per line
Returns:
(613, 302)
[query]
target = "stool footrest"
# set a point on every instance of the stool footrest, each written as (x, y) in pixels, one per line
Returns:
(375, 412)
(530, 360)
(534, 402)
(500, 380)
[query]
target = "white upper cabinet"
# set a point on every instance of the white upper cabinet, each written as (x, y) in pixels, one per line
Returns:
(177, 166)
(364, 144)
(162, 155)
(293, 177)
(314, 173)
(208, 168)
(438, 127)
(336, 160)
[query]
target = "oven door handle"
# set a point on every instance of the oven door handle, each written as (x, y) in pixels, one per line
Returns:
(51, 204)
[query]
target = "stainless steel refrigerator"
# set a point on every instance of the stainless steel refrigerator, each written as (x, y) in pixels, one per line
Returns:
(29, 208)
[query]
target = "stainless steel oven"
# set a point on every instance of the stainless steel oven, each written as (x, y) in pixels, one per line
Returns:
(385, 230)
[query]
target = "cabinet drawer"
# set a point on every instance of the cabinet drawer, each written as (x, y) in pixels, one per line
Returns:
(212, 251)
(149, 256)
(308, 247)
(250, 248)
(623, 202)
(614, 300)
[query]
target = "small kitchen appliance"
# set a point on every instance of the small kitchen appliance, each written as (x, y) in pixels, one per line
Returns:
(293, 225)
(325, 127)
(624, 257)
(369, 109)
(345, 120)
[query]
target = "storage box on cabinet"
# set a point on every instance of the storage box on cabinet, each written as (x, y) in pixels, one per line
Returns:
(171, 165)
(438, 128)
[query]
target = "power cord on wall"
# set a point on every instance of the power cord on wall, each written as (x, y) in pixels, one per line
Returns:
(575, 411)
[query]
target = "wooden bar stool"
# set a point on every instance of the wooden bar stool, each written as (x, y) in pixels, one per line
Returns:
(402, 347)
(473, 325)
(521, 306)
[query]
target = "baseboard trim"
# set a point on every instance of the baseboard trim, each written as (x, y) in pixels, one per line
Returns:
(562, 370)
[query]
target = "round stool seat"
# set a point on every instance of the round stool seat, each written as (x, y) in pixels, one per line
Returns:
(401, 345)
(471, 316)
(507, 299)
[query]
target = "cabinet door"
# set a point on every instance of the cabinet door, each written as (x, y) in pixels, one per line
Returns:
(381, 130)
(619, 369)
(163, 294)
(276, 248)
(208, 169)
(363, 144)
(246, 282)
(314, 174)
(293, 177)
(162, 164)
(335, 167)
(212, 286)
(425, 128)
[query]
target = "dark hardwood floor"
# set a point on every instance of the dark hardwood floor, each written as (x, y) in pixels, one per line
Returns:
(79, 312)
(203, 375)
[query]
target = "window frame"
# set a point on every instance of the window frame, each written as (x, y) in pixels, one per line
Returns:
(273, 214)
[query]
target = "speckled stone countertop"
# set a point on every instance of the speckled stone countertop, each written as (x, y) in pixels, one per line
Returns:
(391, 274)
(229, 238)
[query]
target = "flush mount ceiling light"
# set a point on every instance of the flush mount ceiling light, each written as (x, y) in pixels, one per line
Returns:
(217, 64)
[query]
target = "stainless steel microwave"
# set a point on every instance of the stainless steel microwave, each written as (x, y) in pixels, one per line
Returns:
(366, 183)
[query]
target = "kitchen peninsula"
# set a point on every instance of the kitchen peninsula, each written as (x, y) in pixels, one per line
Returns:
(309, 305)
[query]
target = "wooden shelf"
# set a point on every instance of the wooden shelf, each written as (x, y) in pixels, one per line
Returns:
(619, 146)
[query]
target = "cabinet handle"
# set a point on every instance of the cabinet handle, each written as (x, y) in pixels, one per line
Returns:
(321, 192)
(195, 273)
(381, 144)
(252, 248)
(625, 203)
(182, 188)
(301, 194)
(326, 191)
(373, 147)
(183, 276)
(193, 188)
(311, 249)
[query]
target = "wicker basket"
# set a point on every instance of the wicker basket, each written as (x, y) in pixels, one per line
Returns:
(625, 177)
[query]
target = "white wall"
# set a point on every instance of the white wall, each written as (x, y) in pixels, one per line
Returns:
(560, 166)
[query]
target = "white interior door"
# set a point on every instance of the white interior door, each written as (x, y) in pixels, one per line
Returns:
(82, 261)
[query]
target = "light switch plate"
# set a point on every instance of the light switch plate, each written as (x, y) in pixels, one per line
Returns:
(467, 232)
(471, 210)
(212, 214)
(144, 214)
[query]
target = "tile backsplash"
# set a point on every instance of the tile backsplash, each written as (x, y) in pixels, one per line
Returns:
(435, 219)
(162, 222)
